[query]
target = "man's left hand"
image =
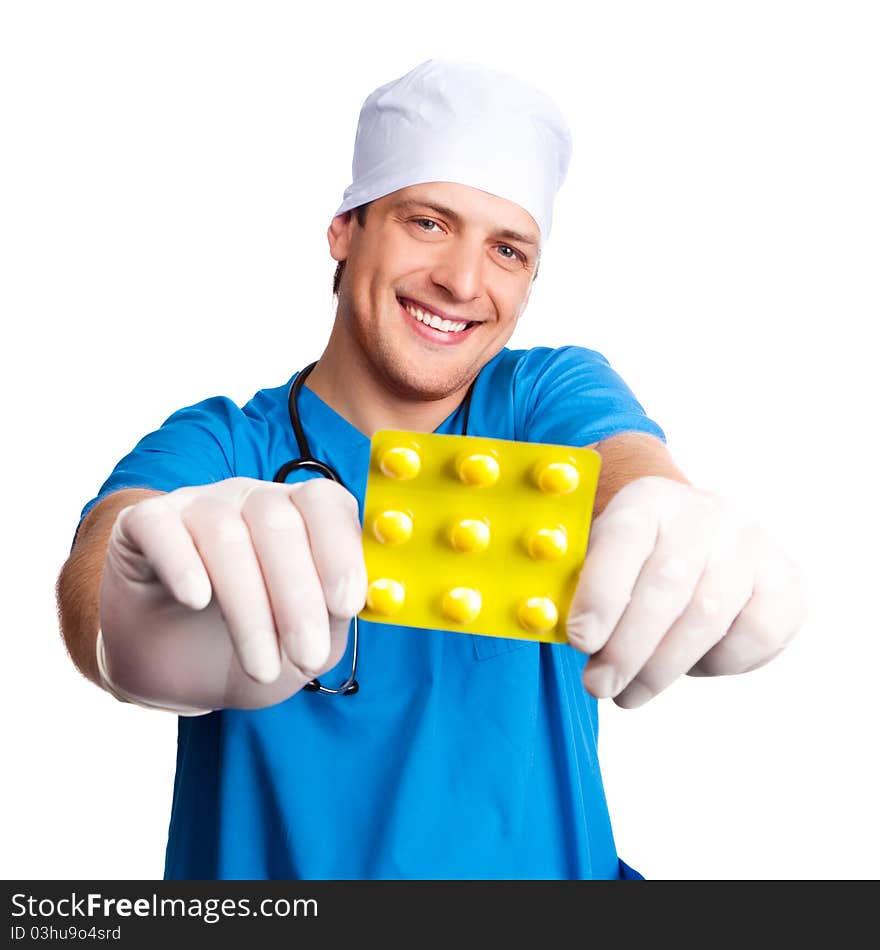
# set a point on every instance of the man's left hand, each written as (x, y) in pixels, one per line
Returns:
(676, 580)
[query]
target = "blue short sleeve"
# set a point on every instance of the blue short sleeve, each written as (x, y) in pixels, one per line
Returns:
(572, 396)
(194, 446)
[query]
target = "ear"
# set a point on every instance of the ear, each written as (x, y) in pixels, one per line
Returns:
(339, 235)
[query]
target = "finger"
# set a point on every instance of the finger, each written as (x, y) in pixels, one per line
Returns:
(153, 529)
(720, 595)
(773, 614)
(664, 588)
(224, 543)
(331, 518)
(290, 577)
(621, 540)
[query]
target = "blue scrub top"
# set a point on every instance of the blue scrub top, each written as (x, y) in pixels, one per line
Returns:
(462, 756)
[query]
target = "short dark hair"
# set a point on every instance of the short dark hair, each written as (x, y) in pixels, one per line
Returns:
(360, 213)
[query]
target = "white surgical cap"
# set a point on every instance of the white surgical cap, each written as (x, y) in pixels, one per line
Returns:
(455, 121)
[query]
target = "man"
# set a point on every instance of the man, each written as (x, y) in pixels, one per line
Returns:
(199, 585)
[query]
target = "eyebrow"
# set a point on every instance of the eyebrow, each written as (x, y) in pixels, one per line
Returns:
(454, 216)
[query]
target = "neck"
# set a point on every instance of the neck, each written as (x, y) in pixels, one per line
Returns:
(349, 385)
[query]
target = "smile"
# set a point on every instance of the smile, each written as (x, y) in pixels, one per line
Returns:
(434, 321)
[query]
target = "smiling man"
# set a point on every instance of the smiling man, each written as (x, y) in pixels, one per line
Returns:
(434, 282)
(213, 578)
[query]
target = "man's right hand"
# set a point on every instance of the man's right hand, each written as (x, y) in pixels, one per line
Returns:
(231, 594)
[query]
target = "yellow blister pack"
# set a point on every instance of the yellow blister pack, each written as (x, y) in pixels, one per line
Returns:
(479, 535)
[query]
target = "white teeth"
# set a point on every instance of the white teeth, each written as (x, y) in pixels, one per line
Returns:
(432, 320)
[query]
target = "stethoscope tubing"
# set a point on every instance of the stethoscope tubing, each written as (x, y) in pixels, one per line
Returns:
(308, 462)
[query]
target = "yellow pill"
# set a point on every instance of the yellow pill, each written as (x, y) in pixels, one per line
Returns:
(558, 478)
(479, 469)
(469, 534)
(392, 527)
(548, 544)
(400, 462)
(538, 614)
(385, 596)
(462, 604)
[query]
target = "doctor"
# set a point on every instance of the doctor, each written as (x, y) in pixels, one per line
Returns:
(199, 585)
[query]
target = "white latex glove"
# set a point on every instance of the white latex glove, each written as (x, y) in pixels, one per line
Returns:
(676, 580)
(232, 594)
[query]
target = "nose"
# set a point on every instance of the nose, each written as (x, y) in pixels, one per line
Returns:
(460, 268)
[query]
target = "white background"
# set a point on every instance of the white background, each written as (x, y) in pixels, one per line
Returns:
(168, 174)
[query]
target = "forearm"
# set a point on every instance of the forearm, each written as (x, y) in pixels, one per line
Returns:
(629, 456)
(79, 582)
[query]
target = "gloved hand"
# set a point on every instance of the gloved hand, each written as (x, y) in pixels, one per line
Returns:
(676, 580)
(232, 594)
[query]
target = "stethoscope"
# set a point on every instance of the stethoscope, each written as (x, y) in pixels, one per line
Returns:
(308, 462)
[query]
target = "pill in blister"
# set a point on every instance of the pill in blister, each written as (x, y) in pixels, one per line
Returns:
(538, 614)
(393, 527)
(548, 544)
(557, 478)
(386, 596)
(479, 469)
(462, 604)
(400, 462)
(470, 534)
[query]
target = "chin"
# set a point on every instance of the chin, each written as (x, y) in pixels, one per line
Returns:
(423, 390)
(425, 386)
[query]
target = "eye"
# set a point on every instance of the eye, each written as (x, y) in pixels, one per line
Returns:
(513, 255)
(421, 221)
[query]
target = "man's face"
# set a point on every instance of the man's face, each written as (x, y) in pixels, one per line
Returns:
(437, 253)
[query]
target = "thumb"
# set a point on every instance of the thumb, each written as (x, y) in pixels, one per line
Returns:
(149, 543)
